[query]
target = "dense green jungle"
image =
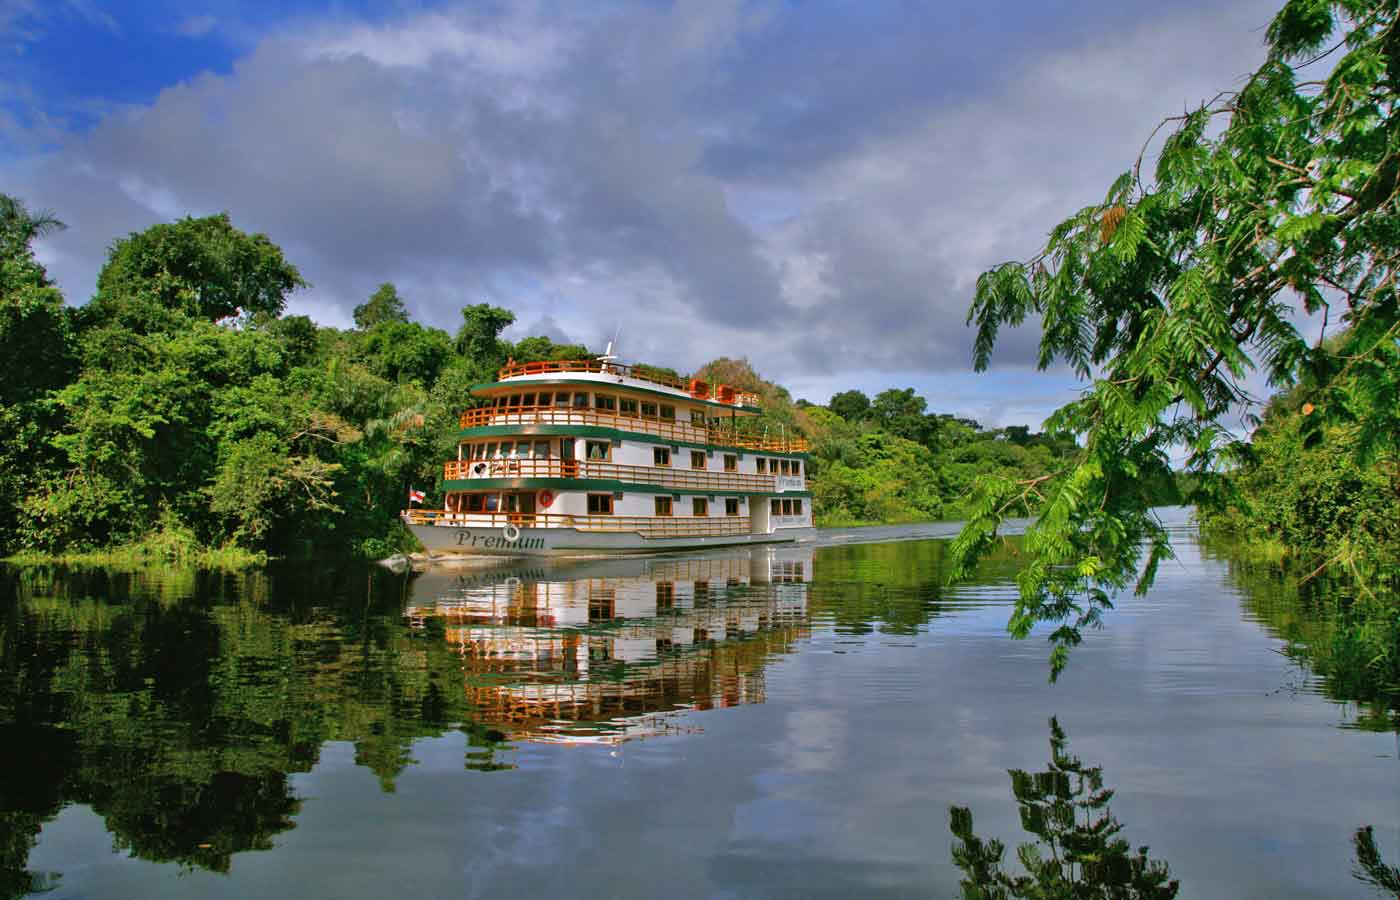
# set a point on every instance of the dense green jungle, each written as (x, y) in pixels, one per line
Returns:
(180, 414)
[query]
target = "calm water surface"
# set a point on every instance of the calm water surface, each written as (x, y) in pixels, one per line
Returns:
(737, 724)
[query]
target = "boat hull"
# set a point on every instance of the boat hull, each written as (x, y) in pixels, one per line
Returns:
(465, 540)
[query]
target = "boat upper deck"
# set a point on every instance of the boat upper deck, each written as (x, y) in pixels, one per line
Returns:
(641, 378)
(545, 396)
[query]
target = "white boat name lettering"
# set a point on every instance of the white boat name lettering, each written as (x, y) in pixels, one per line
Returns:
(497, 542)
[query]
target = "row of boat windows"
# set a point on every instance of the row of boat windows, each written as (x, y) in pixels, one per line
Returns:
(601, 451)
(609, 403)
(602, 505)
(507, 450)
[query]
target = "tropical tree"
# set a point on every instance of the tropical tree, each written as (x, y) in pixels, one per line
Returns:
(384, 305)
(852, 406)
(37, 357)
(199, 268)
(1167, 296)
(479, 338)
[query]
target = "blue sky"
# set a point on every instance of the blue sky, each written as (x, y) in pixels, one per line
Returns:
(813, 185)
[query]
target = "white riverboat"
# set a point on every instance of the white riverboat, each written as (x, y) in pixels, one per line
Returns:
(591, 457)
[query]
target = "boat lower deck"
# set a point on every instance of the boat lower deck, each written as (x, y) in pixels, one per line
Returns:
(462, 538)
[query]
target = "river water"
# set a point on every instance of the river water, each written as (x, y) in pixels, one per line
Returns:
(750, 723)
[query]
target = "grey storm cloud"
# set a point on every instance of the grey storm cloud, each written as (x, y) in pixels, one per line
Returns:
(814, 188)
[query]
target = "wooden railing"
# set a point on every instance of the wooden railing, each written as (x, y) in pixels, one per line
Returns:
(599, 367)
(680, 478)
(596, 366)
(647, 526)
(670, 429)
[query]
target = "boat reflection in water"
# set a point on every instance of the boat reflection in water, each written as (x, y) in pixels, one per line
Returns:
(609, 650)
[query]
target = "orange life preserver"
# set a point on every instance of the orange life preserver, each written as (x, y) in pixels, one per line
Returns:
(546, 498)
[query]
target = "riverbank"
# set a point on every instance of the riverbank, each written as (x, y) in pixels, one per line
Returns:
(163, 548)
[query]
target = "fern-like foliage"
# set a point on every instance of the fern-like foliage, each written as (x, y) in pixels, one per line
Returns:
(1182, 284)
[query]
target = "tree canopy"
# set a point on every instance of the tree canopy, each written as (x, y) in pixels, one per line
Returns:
(1266, 203)
(201, 268)
(384, 305)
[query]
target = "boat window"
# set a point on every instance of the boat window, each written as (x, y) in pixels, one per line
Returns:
(598, 450)
(775, 507)
(787, 507)
(561, 398)
(491, 450)
(493, 503)
(699, 506)
(545, 398)
(475, 502)
(796, 507)
(541, 449)
(648, 410)
(762, 465)
(663, 506)
(527, 400)
(697, 417)
(668, 412)
(512, 503)
(731, 506)
(600, 504)
(581, 400)
(797, 467)
(697, 459)
(514, 400)
(478, 451)
(522, 449)
(661, 456)
(731, 462)
(605, 401)
(627, 406)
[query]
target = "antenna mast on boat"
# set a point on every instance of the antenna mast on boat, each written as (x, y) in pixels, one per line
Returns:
(608, 356)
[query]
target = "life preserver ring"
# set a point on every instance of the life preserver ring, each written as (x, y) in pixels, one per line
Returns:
(510, 533)
(546, 498)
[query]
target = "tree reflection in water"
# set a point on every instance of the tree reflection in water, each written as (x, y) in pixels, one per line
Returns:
(1370, 868)
(1077, 851)
(179, 706)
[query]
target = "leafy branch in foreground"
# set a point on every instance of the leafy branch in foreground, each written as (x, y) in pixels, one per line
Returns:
(1173, 291)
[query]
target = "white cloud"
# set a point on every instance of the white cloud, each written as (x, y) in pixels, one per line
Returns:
(689, 174)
